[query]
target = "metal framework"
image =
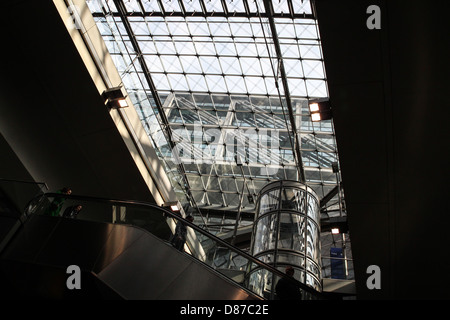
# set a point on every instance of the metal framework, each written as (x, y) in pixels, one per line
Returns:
(122, 12)
(222, 89)
(210, 76)
(218, 8)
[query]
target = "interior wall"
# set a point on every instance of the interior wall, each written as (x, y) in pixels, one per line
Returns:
(388, 93)
(52, 115)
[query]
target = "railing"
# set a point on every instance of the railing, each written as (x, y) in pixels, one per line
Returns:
(14, 197)
(24, 182)
(157, 221)
(19, 192)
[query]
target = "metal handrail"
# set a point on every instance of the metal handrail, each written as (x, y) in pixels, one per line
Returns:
(25, 181)
(191, 225)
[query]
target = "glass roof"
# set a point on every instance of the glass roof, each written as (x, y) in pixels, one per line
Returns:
(227, 88)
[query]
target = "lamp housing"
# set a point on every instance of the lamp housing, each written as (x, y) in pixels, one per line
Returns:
(320, 110)
(115, 98)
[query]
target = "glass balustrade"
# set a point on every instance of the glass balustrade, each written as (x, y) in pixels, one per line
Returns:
(212, 251)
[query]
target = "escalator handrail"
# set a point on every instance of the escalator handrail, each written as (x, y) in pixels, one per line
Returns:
(169, 213)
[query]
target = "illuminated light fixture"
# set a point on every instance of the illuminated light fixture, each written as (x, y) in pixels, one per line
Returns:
(315, 116)
(174, 206)
(335, 230)
(115, 98)
(123, 103)
(314, 107)
(320, 110)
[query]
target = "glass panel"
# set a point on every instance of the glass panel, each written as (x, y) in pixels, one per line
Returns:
(132, 6)
(171, 63)
(150, 5)
(312, 240)
(301, 7)
(192, 6)
(313, 268)
(269, 202)
(313, 208)
(194, 241)
(291, 259)
(213, 6)
(280, 6)
(265, 236)
(260, 282)
(293, 68)
(171, 5)
(292, 232)
(293, 199)
(235, 6)
(234, 55)
(256, 6)
(313, 68)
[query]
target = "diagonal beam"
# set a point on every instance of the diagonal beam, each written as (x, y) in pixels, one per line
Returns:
(329, 196)
(270, 14)
(164, 121)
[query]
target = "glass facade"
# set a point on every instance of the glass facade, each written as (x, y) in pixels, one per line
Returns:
(286, 232)
(214, 64)
(220, 83)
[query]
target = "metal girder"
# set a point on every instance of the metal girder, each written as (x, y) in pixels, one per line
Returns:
(276, 43)
(165, 122)
(201, 14)
(329, 196)
(205, 13)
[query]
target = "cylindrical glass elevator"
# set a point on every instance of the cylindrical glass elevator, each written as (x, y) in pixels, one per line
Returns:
(286, 232)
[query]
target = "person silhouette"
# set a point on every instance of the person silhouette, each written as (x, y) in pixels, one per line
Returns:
(286, 289)
(179, 238)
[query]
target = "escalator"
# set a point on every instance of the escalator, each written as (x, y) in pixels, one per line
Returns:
(14, 196)
(122, 251)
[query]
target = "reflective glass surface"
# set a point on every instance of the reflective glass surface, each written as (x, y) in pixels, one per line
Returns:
(286, 233)
(209, 73)
(215, 68)
(231, 262)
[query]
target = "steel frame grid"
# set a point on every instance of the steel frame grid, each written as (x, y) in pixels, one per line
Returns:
(207, 8)
(223, 72)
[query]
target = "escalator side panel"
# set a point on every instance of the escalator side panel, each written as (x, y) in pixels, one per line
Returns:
(157, 266)
(75, 242)
(165, 273)
(29, 241)
(120, 238)
(21, 280)
(133, 263)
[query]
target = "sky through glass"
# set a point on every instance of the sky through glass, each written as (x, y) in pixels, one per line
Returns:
(215, 70)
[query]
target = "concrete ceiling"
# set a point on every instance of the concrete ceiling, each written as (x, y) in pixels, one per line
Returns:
(388, 90)
(52, 116)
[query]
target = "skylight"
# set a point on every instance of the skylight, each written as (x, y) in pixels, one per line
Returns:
(210, 71)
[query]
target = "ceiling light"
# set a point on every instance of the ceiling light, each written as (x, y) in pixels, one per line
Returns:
(320, 110)
(315, 116)
(314, 107)
(115, 98)
(174, 206)
(123, 103)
